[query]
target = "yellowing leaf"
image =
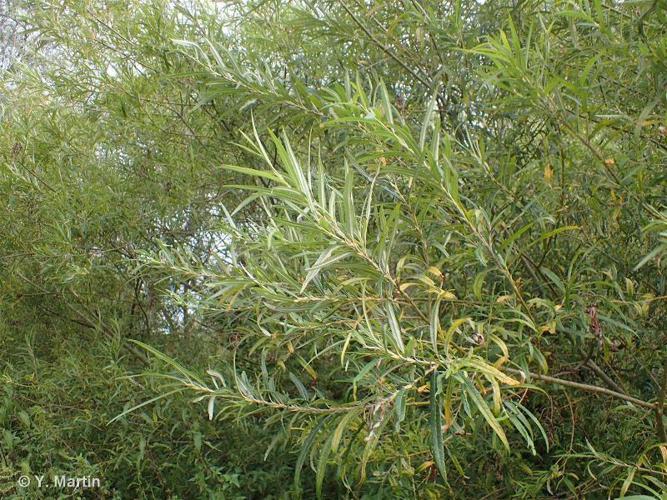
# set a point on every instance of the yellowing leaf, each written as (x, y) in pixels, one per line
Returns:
(435, 271)
(452, 328)
(425, 465)
(490, 370)
(427, 281)
(549, 327)
(663, 452)
(504, 299)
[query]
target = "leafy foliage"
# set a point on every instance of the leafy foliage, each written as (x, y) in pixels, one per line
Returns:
(413, 249)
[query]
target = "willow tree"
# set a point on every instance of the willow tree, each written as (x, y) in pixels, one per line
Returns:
(429, 237)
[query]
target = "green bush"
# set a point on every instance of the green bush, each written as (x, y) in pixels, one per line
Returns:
(337, 249)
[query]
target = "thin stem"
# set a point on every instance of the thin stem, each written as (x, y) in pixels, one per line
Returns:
(588, 388)
(607, 379)
(385, 49)
(660, 406)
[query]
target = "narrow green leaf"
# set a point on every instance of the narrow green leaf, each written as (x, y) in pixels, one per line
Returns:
(256, 173)
(325, 259)
(340, 428)
(484, 409)
(386, 103)
(322, 466)
(348, 201)
(395, 328)
(437, 439)
(400, 405)
(434, 324)
(628, 481)
(305, 449)
(426, 121)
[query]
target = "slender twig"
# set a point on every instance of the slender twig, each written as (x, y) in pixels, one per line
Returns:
(607, 379)
(660, 406)
(587, 388)
(385, 49)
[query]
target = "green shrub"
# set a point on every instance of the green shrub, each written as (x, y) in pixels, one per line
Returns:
(407, 249)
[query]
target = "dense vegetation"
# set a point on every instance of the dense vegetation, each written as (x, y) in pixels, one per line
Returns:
(389, 249)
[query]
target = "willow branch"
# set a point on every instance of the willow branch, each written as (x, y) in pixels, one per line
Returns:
(587, 388)
(607, 379)
(384, 48)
